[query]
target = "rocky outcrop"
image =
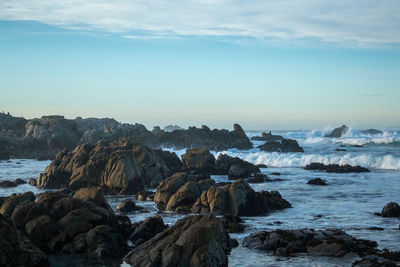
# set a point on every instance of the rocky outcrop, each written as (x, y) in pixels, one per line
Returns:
(145, 230)
(15, 183)
(335, 168)
(286, 145)
(120, 167)
(192, 241)
(15, 250)
(331, 242)
(338, 132)
(391, 209)
(216, 140)
(198, 160)
(60, 224)
(383, 258)
(268, 137)
(238, 199)
(179, 192)
(241, 168)
(317, 181)
(128, 205)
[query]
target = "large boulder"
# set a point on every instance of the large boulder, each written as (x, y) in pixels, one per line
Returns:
(192, 241)
(391, 209)
(17, 251)
(128, 205)
(198, 160)
(244, 169)
(331, 242)
(286, 145)
(61, 224)
(147, 229)
(338, 132)
(335, 168)
(10, 203)
(179, 192)
(119, 167)
(238, 199)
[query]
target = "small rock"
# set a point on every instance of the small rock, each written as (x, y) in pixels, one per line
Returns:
(391, 209)
(317, 181)
(32, 182)
(128, 206)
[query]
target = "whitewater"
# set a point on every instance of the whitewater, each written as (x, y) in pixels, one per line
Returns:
(349, 202)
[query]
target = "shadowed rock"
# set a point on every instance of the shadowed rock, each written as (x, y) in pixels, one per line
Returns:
(286, 145)
(391, 209)
(317, 181)
(269, 137)
(335, 168)
(338, 132)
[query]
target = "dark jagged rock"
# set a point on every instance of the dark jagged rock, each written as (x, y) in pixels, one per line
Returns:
(335, 168)
(10, 203)
(269, 137)
(317, 181)
(192, 241)
(242, 169)
(232, 224)
(120, 167)
(383, 258)
(371, 131)
(238, 199)
(286, 145)
(391, 209)
(331, 242)
(60, 224)
(15, 250)
(257, 178)
(338, 132)
(147, 229)
(145, 195)
(15, 183)
(198, 160)
(179, 192)
(216, 140)
(128, 206)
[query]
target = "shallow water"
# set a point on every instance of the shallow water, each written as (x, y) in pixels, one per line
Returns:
(348, 202)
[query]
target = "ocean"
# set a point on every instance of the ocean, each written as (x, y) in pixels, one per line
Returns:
(348, 202)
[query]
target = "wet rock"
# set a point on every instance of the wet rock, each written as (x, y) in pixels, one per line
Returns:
(16, 250)
(340, 149)
(128, 206)
(338, 132)
(286, 145)
(8, 183)
(269, 137)
(317, 181)
(147, 229)
(262, 166)
(383, 258)
(145, 195)
(192, 241)
(331, 242)
(92, 194)
(238, 199)
(32, 181)
(104, 242)
(232, 224)
(391, 209)
(198, 160)
(224, 163)
(257, 178)
(10, 203)
(335, 168)
(276, 173)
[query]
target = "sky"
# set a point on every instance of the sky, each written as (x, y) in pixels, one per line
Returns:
(286, 64)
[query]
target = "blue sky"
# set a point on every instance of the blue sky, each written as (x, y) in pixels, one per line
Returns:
(264, 64)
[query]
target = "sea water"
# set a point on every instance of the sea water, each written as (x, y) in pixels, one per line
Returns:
(348, 202)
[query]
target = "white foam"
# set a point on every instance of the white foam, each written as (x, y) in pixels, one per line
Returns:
(387, 162)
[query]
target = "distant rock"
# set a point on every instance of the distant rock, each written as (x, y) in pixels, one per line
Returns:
(335, 168)
(391, 209)
(192, 241)
(234, 167)
(171, 128)
(269, 137)
(338, 132)
(217, 140)
(238, 199)
(286, 145)
(372, 131)
(331, 242)
(317, 181)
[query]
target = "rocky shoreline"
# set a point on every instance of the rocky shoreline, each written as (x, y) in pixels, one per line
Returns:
(74, 218)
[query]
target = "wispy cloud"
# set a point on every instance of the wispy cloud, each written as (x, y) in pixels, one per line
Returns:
(367, 22)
